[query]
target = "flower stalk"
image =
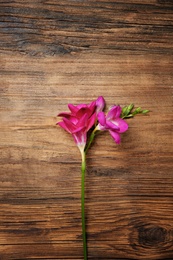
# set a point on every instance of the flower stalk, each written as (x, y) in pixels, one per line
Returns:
(83, 169)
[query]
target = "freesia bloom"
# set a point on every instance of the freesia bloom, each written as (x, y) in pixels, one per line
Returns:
(80, 120)
(113, 123)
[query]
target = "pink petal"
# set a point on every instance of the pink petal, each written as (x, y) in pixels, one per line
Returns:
(79, 129)
(64, 114)
(92, 106)
(114, 112)
(112, 126)
(82, 121)
(101, 118)
(73, 108)
(69, 116)
(102, 121)
(73, 119)
(82, 111)
(115, 136)
(123, 126)
(69, 125)
(100, 104)
(63, 125)
(81, 106)
(91, 121)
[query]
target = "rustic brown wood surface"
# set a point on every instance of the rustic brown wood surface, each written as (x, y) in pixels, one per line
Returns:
(57, 52)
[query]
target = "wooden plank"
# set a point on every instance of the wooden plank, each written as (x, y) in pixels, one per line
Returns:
(54, 53)
(52, 28)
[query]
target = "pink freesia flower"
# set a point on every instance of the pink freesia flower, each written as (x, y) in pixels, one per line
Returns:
(80, 120)
(113, 123)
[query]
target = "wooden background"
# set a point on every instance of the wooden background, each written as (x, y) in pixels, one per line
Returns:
(57, 52)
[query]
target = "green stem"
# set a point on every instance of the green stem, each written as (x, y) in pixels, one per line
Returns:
(91, 139)
(83, 169)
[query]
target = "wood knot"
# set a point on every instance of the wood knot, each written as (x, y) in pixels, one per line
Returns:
(151, 236)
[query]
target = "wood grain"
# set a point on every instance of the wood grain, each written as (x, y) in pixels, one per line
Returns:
(57, 52)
